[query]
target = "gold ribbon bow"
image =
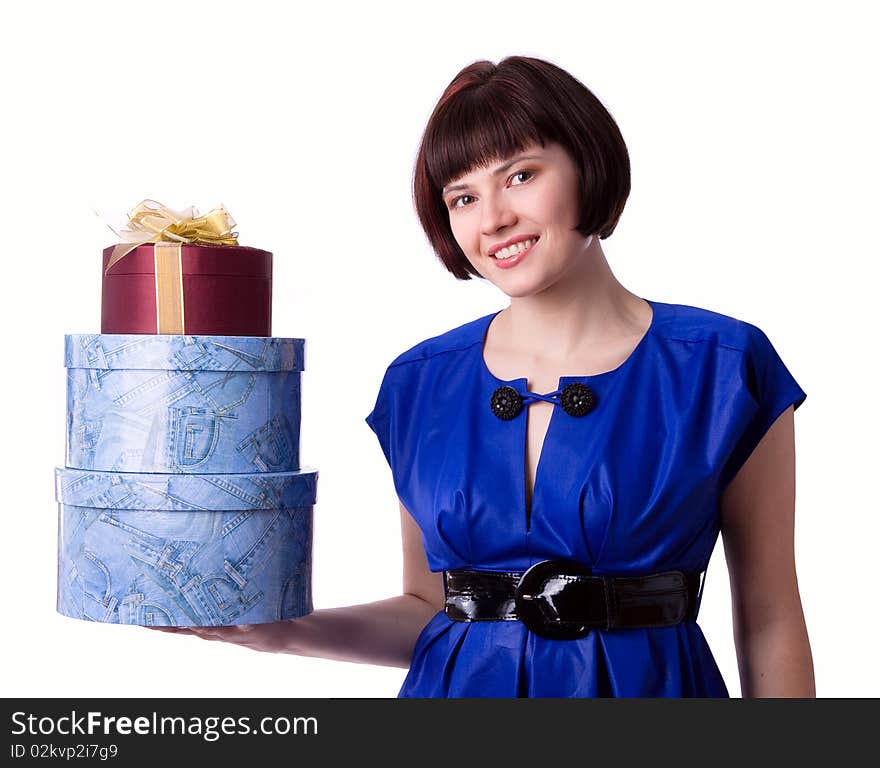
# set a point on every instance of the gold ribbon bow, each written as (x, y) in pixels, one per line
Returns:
(152, 222)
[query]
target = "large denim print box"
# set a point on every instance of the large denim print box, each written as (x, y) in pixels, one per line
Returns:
(183, 502)
(184, 550)
(153, 403)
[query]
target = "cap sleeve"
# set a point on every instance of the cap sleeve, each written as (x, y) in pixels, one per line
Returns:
(380, 419)
(771, 389)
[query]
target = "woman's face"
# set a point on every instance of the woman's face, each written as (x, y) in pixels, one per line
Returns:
(532, 195)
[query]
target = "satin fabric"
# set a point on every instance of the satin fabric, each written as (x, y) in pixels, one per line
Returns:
(631, 488)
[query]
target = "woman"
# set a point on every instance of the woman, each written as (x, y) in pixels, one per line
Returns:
(565, 465)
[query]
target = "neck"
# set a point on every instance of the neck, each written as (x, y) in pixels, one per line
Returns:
(583, 310)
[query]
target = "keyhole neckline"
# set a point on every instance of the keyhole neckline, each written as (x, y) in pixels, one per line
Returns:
(521, 383)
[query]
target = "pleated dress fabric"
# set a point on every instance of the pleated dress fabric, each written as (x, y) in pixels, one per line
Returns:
(631, 488)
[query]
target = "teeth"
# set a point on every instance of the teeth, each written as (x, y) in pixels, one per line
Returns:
(506, 253)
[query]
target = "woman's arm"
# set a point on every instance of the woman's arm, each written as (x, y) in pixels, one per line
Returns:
(757, 526)
(383, 632)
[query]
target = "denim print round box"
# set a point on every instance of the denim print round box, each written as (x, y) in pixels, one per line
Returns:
(184, 549)
(183, 404)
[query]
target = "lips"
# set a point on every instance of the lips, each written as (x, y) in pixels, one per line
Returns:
(511, 261)
(513, 241)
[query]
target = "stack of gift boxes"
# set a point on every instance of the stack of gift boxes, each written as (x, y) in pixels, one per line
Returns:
(182, 502)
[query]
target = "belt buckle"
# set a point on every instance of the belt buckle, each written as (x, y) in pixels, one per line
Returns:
(535, 606)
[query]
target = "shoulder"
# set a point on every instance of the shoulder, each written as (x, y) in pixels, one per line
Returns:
(413, 373)
(445, 346)
(688, 324)
(738, 351)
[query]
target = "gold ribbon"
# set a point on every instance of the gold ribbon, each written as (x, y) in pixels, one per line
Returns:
(169, 288)
(152, 222)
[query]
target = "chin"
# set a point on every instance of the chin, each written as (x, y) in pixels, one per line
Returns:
(520, 291)
(525, 285)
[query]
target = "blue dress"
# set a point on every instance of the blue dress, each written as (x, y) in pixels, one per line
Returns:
(631, 488)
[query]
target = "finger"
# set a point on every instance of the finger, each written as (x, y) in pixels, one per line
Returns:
(229, 634)
(226, 630)
(181, 630)
(234, 633)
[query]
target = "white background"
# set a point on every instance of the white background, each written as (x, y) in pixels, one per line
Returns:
(752, 130)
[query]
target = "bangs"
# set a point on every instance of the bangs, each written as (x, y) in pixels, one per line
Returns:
(475, 129)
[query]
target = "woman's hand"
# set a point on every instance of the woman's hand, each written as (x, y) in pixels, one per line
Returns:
(382, 633)
(258, 637)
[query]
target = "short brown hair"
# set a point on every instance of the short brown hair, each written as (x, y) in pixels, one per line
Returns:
(489, 112)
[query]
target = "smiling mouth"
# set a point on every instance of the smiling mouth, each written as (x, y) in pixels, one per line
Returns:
(521, 247)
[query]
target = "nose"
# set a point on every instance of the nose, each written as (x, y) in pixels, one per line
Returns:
(495, 214)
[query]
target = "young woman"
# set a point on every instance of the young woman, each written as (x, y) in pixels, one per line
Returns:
(565, 465)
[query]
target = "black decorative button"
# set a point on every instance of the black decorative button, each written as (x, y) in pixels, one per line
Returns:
(506, 403)
(577, 399)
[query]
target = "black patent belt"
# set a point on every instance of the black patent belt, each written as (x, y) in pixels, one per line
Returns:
(563, 600)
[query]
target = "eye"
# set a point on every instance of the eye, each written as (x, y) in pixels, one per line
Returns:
(454, 203)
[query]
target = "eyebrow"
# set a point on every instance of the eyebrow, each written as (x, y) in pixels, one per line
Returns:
(500, 169)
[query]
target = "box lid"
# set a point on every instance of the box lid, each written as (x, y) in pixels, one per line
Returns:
(183, 353)
(185, 493)
(196, 259)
